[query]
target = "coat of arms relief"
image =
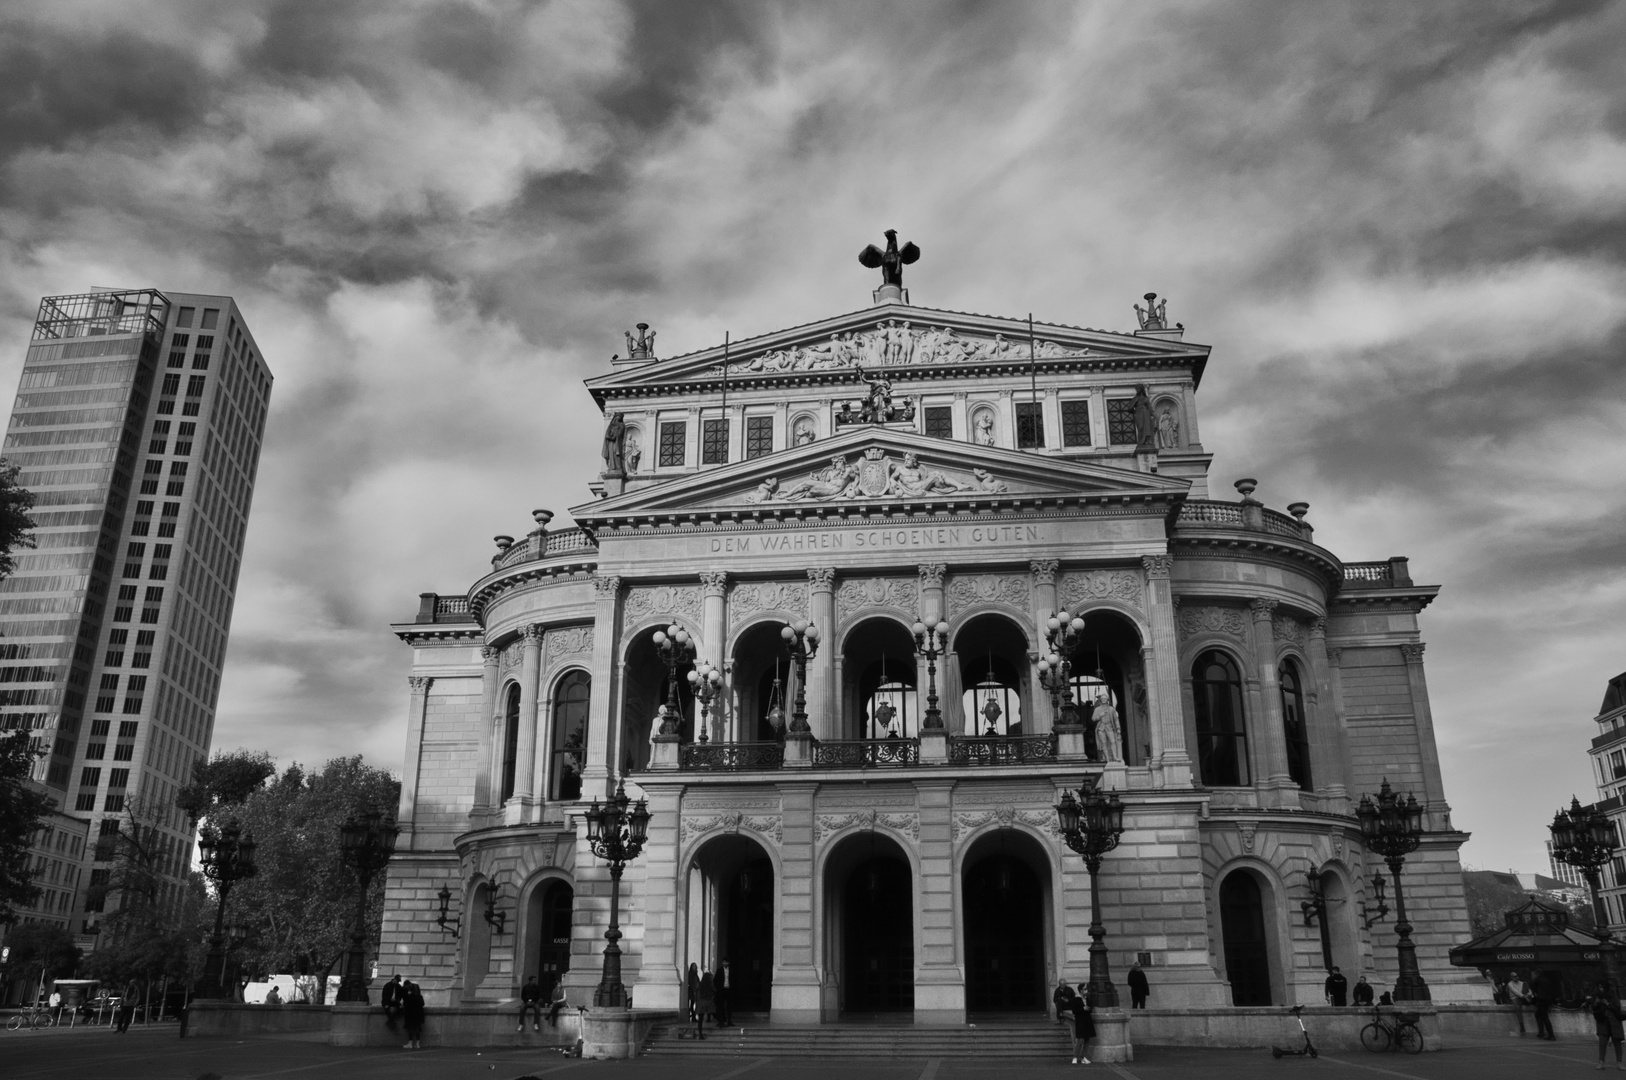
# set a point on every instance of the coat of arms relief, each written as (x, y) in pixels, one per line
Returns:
(876, 476)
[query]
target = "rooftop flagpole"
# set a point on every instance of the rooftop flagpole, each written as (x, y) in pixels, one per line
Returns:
(1033, 383)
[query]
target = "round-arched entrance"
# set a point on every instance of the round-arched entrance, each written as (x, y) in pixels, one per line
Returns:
(548, 915)
(879, 681)
(1245, 933)
(760, 683)
(1107, 666)
(869, 899)
(1004, 894)
(992, 652)
(645, 691)
(731, 898)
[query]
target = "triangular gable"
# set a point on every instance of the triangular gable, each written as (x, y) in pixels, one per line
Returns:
(897, 336)
(873, 466)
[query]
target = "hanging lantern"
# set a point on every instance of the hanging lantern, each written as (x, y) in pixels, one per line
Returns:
(992, 712)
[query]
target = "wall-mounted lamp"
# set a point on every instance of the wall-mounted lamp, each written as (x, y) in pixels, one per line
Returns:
(1316, 906)
(447, 924)
(1378, 886)
(494, 918)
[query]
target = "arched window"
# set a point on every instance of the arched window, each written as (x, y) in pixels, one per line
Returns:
(510, 742)
(570, 700)
(1222, 738)
(890, 709)
(1297, 731)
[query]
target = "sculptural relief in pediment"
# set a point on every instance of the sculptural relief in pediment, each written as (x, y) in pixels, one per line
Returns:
(896, 343)
(877, 475)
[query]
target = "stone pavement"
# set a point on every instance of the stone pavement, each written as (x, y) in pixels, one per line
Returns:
(99, 1054)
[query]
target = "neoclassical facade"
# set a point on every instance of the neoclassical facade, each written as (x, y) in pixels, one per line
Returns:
(882, 468)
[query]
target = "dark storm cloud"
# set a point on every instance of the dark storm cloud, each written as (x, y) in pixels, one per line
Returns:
(1402, 227)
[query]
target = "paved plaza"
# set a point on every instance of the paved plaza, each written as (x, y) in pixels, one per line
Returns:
(98, 1054)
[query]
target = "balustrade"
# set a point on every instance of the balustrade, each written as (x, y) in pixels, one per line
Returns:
(1000, 749)
(866, 753)
(731, 757)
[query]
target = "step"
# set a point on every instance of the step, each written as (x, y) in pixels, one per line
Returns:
(1026, 1039)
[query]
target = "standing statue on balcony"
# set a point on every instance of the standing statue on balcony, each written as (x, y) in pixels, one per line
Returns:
(1108, 738)
(615, 451)
(1145, 422)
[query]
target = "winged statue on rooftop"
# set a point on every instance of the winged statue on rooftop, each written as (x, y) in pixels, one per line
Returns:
(892, 260)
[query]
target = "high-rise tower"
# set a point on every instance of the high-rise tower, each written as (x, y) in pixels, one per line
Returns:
(137, 426)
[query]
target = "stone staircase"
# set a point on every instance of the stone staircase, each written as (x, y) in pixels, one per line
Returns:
(996, 1038)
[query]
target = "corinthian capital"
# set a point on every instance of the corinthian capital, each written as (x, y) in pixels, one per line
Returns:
(1262, 609)
(714, 581)
(533, 635)
(419, 683)
(1318, 626)
(1044, 571)
(822, 578)
(1157, 566)
(607, 586)
(490, 654)
(931, 574)
(1412, 652)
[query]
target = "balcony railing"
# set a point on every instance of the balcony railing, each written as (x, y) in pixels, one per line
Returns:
(1000, 749)
(866, 753)
(731, 757)
(559, 542)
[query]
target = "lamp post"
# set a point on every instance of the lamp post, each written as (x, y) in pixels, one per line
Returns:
(1056, 670)
(1091, 825)
(616, 834)
(366, 845)
(931, 641)
(675, 648)
(802, 642)
(227, 857)
(1393, 828)
(705, 681)
(1586, 840)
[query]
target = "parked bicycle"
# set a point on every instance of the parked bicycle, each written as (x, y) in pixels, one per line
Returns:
(1397, 1031)
(32, 1016)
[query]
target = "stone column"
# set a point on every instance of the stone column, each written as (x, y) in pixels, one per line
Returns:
(488, 711)
(602, 741)
(1329, 741)
(1042, 604)
(1271, 735)
(933, 609)
(416, 712)
(649, 896)
(823, 705)
(1439, 811)
(1165, 715)
(525, 752)
(736, 432)
(714, 634)
(796, 966)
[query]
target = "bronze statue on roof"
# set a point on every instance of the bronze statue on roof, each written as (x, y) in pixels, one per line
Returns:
(892, 260)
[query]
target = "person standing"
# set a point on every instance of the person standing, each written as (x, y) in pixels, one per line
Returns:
(1336, 987)
(184, 1013)
(1138, 986)
(1083, 1029)
(692, 983)
(725, 994)
(390, 998)
(1607, 1015)
(1542, 991)
(1363, 991)
(412, 1010)
(705, 1005)
(1518, 995)
(530, 1000)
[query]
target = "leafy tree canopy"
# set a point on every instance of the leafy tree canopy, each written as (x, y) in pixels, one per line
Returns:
(15, 524)
(38, 949)
(227, 780)
(23, 810)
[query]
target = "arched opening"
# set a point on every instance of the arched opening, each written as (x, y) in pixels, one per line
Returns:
(870, 926)
(477, 935)
(571, 696)
(992, 652)
(1004, 895)
(1247, 943)
(1293, 725)
(1108, 668)
(1222, 737)
(510, 741)
(646, 689)
(761, 682)
(1340, 938)
(732, 893)
(548, 916)
(879, 681)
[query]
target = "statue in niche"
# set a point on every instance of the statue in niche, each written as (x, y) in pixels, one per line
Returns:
(633, 453)
(1168, 429)
(1145, 422)
(615, 446)
(1108, 736)
(984, 424)
(804, 431)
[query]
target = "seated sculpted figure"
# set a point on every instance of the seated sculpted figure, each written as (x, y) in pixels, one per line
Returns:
(824, 484)
(910, 479)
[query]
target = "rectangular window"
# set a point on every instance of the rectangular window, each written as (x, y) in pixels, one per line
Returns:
(128, 729)
(165, 528)
(149, 616)
(171, 384)
(1029, 425)
(194, 385)
(1075, 423)
(180, 341)
(141, 660)
(157, 446)
(191, 408)
(144, 507)
(758, 436)
(158, 572)
(171, 509)
(114, 658)
(713, 442)
(90, 777)
(183, 317)
(183, 448)
(86, 800)
(99, 728)
(166, 407)
(940, 421)
(210, 317)
(114, 803)
(206, 341)
(123, 752)
(1121, 421)
(132, 705)
(1617, 764)
(674, 441)
(110, 682)
(153, 468)
(155, 595)
(95, 751)
(175, 487)
(132, 569)
(177, 359)
(135, 551)
(200, 361)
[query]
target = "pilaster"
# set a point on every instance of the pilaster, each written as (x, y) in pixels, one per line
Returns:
(417, 710)
(1163, 698)
(489, 656)
(530, 672)
(1042, 572)
(822, 689)
(796, 976)
(940, 978)
(1439, 811)
(1277, 781)
(1330, 742)
(602, 741)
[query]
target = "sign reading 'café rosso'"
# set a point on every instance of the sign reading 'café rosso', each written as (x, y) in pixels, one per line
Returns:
(878, 538)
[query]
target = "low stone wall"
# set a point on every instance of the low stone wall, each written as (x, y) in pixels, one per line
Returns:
(210, 1018)
(1483, 1020)
(618, 1033)
(475, 1024)
(1233, 1026)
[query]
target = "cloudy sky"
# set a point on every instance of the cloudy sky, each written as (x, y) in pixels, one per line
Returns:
(1402, 227)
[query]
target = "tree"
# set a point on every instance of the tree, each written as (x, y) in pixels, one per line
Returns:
(23, 808)
(15, 524)
(300, 906)
(228, 780)
(41, 952)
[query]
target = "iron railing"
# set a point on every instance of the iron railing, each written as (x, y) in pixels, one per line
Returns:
(1000, 749)
(866, 753)
(731, 757)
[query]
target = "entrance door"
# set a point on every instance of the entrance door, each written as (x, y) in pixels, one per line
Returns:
(1242, 923)
(878, 957)
(553, 958)
(1004, 918)
(748, 937)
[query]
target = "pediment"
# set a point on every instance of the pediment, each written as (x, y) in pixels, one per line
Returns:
(895, 336)
(882, 467)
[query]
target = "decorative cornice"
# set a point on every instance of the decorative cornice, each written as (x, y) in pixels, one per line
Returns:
(931, 574)
(1044, 570)
(1157, 566)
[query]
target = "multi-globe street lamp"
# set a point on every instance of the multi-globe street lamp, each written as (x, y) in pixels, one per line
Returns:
(675, 648)
(1091, 824)
(616, 831)
(931, 641)
(366, 844)
(1585, 838)
(705, 681)
(1062, 631)
(1393, 828)
(227, 857)
(802, 642)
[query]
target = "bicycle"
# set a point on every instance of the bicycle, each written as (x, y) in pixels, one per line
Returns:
(1398, 1032)
(31, 1017)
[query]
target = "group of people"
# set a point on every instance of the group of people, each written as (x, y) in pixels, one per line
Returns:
(709, 996)
(403, 1001)
(530, 1000)
(1337, 989)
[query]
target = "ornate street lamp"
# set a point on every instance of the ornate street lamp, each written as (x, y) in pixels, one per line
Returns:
(227, 857)
(444, 920)
(367, 845)
(931, 641)
(802, 642)
(1056, 670)
(1586, 839)
(616, 835)
(675, 648)
(1393, 828)
(705, 680)
(1091, 824)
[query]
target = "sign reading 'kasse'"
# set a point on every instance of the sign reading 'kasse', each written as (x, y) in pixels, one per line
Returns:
(798, 541)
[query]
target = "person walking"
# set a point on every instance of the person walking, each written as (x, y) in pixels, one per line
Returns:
(1138, 986)
(390, 998)
(1083, 1029)
(1607, 1015)
(725, 992)
(1335, 988)
(1362, 994)
(1062, 995)
(1542, 991)
(530, 1000)
(184, 1013)
(412, 1010)
(1518, 995)
(705, 1006)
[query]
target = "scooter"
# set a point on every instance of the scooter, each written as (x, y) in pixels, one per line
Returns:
(1296, 1051)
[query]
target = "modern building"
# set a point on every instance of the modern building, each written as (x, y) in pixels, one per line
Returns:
(137, 425)
(57, 864)
(1608, 753)
(867, 472)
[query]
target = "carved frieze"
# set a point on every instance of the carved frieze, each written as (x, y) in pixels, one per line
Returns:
(1006, 815)
(664, 600)
(853, 596)
(568, 642)
(733, 821)
(1207, 618)
(875, 476)
(1288, 629)
(514, 653)
(1078, 587)
(964, 590)
(896, 343)
(827, 824)
(749, 597)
